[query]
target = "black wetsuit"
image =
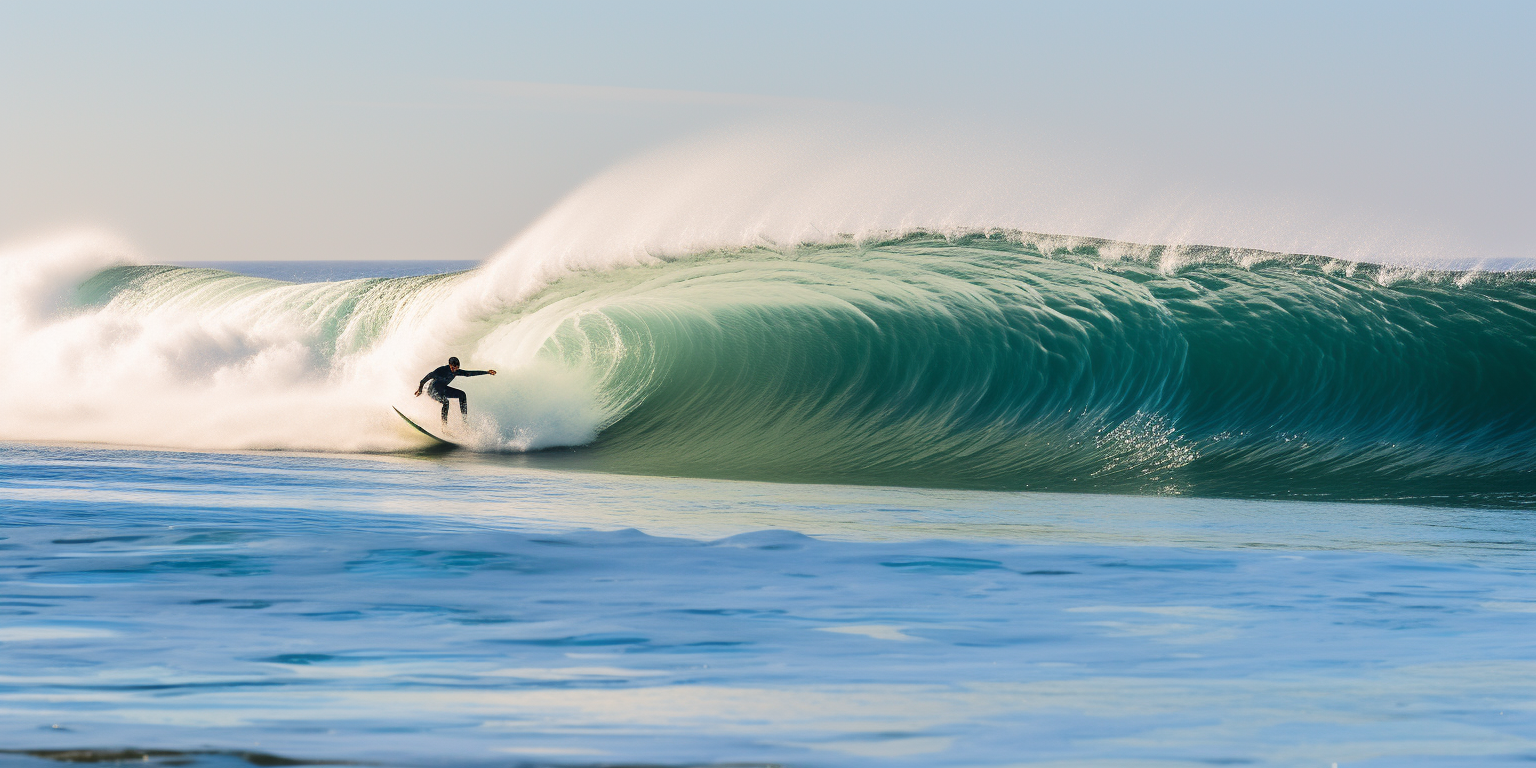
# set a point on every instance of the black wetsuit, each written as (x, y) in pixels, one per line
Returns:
(440, 391)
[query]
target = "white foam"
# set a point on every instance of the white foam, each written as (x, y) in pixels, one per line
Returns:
(250, 364)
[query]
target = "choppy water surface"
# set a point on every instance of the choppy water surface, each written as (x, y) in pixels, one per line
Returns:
(225, 608)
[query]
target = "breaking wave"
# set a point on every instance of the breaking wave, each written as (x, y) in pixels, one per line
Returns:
(993, 359)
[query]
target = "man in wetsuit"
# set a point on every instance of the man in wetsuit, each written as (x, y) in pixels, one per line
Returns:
(441, 392)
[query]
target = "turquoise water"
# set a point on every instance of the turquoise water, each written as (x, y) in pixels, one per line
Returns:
(987, 362)
(984, 501)
(1002, 361)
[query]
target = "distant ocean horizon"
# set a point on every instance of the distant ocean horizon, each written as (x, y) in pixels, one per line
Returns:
(331, 270)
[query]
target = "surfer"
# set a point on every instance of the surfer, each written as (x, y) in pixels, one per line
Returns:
(440, 391)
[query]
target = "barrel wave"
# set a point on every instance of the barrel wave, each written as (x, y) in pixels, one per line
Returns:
(1006, 361)
(993, 360)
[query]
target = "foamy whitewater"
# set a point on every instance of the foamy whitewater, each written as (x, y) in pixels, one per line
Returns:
(846, 471)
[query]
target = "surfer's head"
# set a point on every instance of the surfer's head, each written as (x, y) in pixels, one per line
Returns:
(453, 363)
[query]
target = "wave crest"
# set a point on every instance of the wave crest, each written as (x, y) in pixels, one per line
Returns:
(989, 360)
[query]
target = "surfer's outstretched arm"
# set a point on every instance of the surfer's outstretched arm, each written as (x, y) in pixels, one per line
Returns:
(463, 372)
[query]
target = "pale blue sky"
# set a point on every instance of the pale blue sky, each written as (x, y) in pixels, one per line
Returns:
(219, 130)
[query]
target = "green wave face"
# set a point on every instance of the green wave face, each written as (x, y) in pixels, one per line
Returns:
(988, 362)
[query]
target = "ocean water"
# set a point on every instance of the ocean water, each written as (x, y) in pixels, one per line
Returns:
(975, 499)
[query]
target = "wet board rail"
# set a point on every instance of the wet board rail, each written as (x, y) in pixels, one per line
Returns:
(438, 442)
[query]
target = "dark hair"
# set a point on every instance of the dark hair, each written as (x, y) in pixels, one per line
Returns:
(453, 361)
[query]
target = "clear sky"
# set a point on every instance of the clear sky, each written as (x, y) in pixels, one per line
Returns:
(342, 130)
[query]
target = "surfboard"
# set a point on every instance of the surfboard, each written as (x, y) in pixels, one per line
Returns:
(437, 441)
